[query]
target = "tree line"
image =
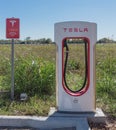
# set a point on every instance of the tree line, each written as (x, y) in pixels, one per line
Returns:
(49, 41)
(106, 40)
(29, 41)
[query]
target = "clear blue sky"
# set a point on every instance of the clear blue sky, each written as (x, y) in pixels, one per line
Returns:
(37, 17)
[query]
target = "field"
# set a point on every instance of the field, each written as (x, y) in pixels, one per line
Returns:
(35, 64)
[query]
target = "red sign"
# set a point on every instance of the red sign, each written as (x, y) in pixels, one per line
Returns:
(12, 28)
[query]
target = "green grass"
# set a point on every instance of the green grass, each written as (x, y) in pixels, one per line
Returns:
(35, 105)
(40, 104)
(106, 77)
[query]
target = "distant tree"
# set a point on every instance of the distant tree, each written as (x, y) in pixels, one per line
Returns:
(42, 41)
(27, 40)
(106, 40)
(48, 41)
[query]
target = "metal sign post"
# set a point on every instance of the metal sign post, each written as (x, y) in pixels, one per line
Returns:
(12, 70)
(12, 32)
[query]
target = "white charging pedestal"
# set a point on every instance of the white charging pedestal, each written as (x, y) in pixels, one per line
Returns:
(83, 100)
(80, 104)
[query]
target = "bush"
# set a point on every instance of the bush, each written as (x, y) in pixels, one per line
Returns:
(33, 77)
(106, 71)
(5, 69)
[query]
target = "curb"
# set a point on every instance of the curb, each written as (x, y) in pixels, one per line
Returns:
(55, 121)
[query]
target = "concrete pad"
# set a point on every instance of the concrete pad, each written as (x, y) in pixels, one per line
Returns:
(96, 117)
(44, 123)
(55, 121)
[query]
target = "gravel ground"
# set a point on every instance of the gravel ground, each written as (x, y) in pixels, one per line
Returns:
(110, 125)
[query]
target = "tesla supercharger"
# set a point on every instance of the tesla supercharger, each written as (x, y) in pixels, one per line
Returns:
(75, 59)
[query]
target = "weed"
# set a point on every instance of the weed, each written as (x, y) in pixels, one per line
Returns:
(35, 75)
